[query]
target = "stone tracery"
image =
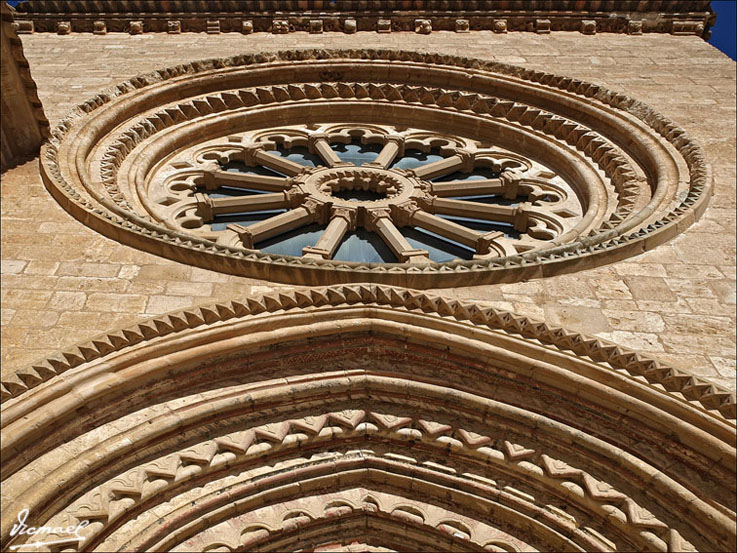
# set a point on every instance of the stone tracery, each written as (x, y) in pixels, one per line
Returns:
(636, 176)
(523, 197)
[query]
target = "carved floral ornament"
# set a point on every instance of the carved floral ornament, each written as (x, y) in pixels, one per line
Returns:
(400, 420)
(456, 171)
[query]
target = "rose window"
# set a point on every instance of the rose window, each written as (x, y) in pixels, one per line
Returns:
(322, 166)
(370, 194)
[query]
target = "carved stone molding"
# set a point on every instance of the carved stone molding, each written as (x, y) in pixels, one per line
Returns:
(629, 206)
(283, 420)
(424, 16)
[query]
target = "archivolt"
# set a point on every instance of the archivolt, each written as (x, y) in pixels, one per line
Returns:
(367, 414)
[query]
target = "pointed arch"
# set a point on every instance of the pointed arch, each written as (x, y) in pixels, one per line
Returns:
(189, 421)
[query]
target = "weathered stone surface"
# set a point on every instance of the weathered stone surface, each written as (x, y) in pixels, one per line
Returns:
(23, 123)
(634, 65)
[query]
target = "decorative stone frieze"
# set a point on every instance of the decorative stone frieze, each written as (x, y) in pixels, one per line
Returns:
(462, 26)
(588, 27)
(213, 27)
(500, 26)
(316, 26)
(418, 414)
(350, 26)
(634, 27)
(678, 16)
(423, 26)
(99, 27)
(618, 212)
(542, 26)
(63, 28)
(280, 26)
(135, 27)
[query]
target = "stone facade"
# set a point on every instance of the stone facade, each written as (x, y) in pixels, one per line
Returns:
(24, 125)
(675, 302)
(621, 357)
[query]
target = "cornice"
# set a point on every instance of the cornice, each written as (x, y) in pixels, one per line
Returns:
(423, 16)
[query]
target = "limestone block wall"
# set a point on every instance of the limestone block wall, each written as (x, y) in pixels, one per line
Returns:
(63, 283)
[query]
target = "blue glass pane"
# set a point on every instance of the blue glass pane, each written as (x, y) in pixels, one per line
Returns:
(357, 154)
(228, 192)
(299, 155)
(414, 158)
(493, 200)
(358, 195)
(238, 167)
(440, 249)
(292, 242)
(479, 173)
(364, 246)
(244, 219)
(483, 226)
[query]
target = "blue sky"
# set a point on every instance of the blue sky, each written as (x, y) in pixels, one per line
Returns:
(723, 33)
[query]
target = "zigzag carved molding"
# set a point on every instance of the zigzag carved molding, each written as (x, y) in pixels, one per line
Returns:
(695, 389)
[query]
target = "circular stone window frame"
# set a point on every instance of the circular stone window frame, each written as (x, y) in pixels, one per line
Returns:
(636, 147)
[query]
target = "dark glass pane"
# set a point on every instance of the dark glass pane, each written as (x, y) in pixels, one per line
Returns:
(292, 242)
(228, 192)
(493, 199)
(364, 246)
(244, 219)
(238, 167)
(414, 158)
(483, 226)
(440, 249)
(358, 195)
(357, 154)
(479, 173)
(299, 155)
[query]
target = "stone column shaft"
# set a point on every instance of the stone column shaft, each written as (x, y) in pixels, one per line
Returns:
(329, 241)
(273, 226)
(398, 243)
(244, 204)
(277, 163)
(468, 188)
(328, 155)
(448, 229)
(386, 155)
(216, 179)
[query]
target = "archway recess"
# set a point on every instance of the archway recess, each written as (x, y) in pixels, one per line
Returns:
(370, 417)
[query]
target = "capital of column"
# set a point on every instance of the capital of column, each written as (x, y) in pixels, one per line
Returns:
(467, 159)
(205, 207)
(314, 137)
(402, 213)
(319, 211)
(397, 139)
(373, 216)
(244, 234)
(209, 176)
(423, 199)
(346, 213)
(511, 181)
(294, 196)
(249, 153)
(522, 216)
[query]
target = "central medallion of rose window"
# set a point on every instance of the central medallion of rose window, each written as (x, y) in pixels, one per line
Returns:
(371, 194)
